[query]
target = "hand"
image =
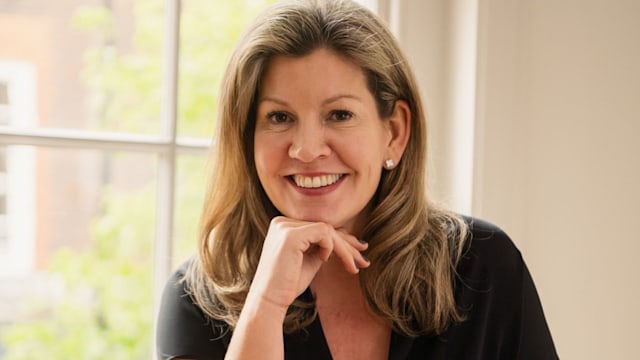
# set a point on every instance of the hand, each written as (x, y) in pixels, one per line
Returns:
(292, 254)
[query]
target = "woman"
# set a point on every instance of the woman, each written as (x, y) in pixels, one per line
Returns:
(317, 240)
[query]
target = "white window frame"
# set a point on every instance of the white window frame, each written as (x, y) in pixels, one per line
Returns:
(18, 258)
(166, 145)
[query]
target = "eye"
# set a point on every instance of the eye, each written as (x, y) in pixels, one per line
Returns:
(341, 115)
(278, 117)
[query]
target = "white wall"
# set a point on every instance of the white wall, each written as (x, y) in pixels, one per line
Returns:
(556, 158)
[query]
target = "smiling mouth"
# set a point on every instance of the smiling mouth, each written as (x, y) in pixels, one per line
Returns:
(314, 182)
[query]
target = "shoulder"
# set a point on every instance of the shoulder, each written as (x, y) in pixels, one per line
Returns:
(490, 270)
(175, 285)
(175, 297)
(489, 247)
(183, 328)
(497, 295)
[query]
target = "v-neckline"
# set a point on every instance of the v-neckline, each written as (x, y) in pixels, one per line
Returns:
(399, 345)
(312, 343)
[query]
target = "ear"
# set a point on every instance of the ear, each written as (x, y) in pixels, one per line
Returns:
(399, 127)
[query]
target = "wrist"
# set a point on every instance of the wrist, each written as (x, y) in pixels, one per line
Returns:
(262, 306)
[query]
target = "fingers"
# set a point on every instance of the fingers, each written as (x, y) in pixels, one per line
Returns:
(294, 251)
(324, 240)
(348, 249)
(320, 240)
(361, 245)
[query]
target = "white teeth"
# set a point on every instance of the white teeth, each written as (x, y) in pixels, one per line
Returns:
(316, 181)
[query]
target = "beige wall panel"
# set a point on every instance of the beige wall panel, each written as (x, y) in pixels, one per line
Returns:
(556, 148)
(558, 160)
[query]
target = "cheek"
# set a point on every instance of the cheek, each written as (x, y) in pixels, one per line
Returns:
(365, 151)
(259, 156)
(266, 154)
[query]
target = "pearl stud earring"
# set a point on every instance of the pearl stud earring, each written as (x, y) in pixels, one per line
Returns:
(388, 164)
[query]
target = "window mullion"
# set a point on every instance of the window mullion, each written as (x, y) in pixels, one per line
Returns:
(100, 140)
(167, 160)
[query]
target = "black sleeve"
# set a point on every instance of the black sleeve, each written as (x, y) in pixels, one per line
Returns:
(535, 338)
(183, 330)
(504, 319)
(504, 304)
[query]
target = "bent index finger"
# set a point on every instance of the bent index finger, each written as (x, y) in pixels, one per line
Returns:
(317, 237)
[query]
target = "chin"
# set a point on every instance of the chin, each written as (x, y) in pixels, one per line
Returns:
(324, 218)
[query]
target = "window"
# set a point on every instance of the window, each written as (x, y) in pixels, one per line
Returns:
(17, 173)
(101, 164)
(4, 120)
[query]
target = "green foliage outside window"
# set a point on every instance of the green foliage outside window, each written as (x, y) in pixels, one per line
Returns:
(107, 310)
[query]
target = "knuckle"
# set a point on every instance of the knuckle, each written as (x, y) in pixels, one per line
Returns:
(277, 222)
(327, 229)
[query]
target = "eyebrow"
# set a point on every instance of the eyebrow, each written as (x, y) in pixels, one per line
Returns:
(325, 102)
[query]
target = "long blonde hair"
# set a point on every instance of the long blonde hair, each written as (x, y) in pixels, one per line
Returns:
(414, 246)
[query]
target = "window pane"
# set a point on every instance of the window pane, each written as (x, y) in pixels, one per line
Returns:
(77, 257)
(81, 64)
(208, 31)
(191, 179)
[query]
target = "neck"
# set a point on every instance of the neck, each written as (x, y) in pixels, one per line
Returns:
(356, 226)
(334, 285)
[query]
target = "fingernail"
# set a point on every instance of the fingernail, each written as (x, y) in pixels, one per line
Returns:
(356, 264)
(362, 241)
(365, 258)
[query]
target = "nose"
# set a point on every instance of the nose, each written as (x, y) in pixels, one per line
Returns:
(309, 142)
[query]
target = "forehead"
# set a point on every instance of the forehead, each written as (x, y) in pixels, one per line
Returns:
(321, 70)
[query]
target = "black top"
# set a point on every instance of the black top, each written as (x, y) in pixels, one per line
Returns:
(504, 318)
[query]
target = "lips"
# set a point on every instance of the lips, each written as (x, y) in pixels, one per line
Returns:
(314, 182)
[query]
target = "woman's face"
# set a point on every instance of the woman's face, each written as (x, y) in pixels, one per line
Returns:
(319, 142)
